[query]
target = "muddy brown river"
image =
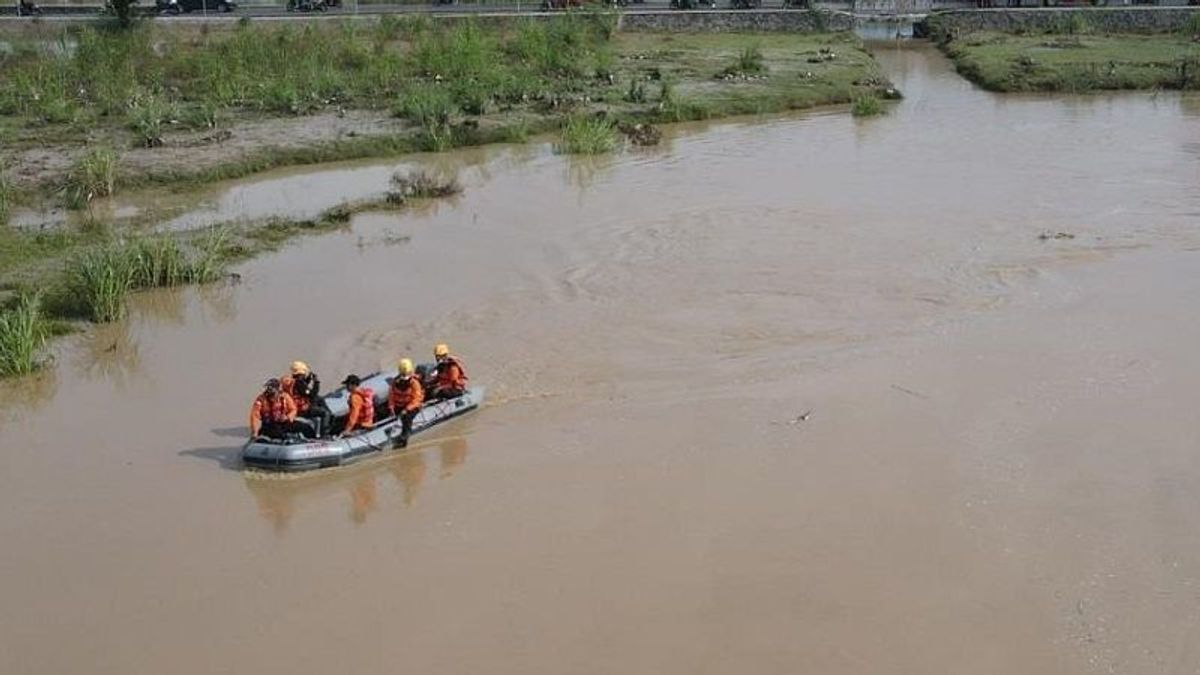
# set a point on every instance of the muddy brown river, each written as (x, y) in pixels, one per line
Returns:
(801, 394)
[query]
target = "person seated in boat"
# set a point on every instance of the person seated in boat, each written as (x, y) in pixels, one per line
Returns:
(305, 389)
(405, 396)
(450, 378)
(273, 413)
(362, 406)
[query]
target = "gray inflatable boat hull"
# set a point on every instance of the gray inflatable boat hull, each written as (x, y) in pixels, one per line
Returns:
(278, 455)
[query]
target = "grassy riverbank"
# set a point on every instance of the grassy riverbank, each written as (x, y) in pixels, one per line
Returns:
(56, 279)
(1073, 58)
(186, 107)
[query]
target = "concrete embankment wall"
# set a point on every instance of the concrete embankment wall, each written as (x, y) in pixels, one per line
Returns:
(1100, 19)
(718, 21)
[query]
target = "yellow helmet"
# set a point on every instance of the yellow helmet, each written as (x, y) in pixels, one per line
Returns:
(299, 368)
(405, 366)
(441, 350)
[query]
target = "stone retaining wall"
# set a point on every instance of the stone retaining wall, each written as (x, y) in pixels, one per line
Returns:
(944, 25)
(736, 21)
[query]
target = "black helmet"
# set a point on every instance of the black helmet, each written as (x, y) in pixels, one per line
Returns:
(351, 381)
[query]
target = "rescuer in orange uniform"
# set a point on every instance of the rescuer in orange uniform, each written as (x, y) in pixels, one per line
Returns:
(405, 397)
(450, 378)
(362, 406)
(273, 413)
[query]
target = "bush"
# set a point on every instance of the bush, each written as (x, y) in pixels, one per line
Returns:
(93, 176)
(23, 333)
(866, 105)
(587, 136)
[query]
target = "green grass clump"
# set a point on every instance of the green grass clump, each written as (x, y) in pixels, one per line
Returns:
(587, 136)
(147, 116)
(749, 61)
(93, 176)
(866, 105)
(158, 261)
(23, 331)
(98, 281)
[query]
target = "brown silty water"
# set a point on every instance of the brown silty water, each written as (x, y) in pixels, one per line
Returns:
(795, 395)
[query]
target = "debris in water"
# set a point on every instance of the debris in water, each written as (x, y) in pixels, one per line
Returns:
(802, 417)
(910, 392)
(1055, 235)
(642, 134)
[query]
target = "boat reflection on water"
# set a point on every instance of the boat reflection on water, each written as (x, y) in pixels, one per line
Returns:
(279, 497)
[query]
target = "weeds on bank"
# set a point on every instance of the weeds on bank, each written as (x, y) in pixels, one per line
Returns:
(94, 175)
(748, 62)
(587, 136)
(23, 331)
(6, 198)
(866, 105)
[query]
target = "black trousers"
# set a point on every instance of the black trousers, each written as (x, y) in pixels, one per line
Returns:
(282, 429)
(406, 422)
(320, 417)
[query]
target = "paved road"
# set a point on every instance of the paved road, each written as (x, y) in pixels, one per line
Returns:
(8, 11)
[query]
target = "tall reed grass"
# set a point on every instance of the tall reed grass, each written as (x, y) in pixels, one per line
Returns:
(587, 136)
(23, 333)
(98, 281)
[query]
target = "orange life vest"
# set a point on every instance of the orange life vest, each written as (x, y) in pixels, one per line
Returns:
(405, 394)
(273, 409)
(365, 417)
(451, 374)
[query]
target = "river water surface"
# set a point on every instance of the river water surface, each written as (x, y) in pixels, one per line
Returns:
(801, 394)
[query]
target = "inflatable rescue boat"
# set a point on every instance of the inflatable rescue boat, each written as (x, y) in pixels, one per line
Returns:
(304, 454)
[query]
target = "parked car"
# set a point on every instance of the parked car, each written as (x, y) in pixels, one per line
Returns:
(28, 8)
(693, 4)
(745, 4)
(184, 6)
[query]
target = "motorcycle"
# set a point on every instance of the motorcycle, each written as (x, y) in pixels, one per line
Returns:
(307, 5)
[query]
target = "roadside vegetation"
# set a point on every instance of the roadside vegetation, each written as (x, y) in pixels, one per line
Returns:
(1070, 56)
(165, 99)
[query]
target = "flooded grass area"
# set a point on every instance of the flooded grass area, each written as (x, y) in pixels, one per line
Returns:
(186, 107)
(1077, 61)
